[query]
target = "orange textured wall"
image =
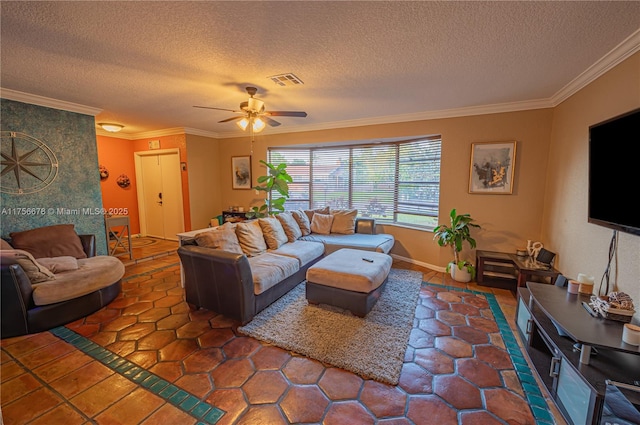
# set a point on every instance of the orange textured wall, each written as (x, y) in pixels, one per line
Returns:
(117, 156)
(171, 142)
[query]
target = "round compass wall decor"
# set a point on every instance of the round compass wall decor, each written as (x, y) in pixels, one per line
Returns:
(28, 165)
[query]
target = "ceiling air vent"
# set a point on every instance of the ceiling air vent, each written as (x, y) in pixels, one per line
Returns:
(286, 80)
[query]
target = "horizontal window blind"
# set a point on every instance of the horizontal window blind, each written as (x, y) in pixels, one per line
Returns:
(397, 182)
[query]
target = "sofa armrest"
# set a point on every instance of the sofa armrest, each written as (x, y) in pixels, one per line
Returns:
(88, 244)
(218, 280)
(366, 225)
(15, 301)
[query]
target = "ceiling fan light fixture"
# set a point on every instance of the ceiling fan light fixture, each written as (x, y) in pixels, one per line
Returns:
(258, 125)
(243, 123)
(110, 127)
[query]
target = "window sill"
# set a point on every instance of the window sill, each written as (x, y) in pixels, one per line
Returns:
(405, 226)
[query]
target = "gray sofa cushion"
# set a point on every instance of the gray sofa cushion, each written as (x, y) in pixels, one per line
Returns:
(290, 225)
(304, 251)
(270, 269)
(92, 274)
(381, 242)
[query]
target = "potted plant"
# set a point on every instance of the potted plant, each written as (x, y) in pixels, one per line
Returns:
(277, 179)
(454, 235)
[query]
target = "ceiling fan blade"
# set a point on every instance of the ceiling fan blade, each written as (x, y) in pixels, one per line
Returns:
(217, 109)
(272, 123)
(286, 113)
(232, 119)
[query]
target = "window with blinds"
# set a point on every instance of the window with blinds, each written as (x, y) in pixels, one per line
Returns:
(394, 182)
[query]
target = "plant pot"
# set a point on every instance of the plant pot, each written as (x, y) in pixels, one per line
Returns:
(458, 275)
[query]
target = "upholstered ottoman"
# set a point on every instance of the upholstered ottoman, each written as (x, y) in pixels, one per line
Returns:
(348, 278)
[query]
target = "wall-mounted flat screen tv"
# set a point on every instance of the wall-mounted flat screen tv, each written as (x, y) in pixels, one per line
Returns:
(614, 173)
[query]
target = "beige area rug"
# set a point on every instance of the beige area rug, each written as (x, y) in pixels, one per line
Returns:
(372, 347)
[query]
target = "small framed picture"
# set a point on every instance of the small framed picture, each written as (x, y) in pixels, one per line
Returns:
(492, 167)
(241, 172)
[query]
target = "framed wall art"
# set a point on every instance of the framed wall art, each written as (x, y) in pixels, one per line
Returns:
(241, 172)
(492, 167)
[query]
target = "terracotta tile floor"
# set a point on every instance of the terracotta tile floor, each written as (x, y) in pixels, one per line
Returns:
(147, 359)
(143, 249)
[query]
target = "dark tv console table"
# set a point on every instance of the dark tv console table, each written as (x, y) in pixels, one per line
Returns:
(551, 321)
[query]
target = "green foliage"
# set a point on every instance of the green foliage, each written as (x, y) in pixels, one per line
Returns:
(276, 181)
(455, 234)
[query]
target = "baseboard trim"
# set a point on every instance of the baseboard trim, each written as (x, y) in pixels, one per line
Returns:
(419, 263)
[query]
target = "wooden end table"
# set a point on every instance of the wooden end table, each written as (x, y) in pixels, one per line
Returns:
(504, 265)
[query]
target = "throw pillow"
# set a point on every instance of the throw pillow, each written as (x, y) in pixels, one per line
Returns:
(251, 238)
(4, 245)
(303, 221)
(273, 232)
(321, 223)
(290, 226)
(310, 213)
(35, 271)
(59, 264)
(222, 237)
(50, 241)
(344, 221)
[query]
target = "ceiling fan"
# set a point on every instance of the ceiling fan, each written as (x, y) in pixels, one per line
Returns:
(254, 114)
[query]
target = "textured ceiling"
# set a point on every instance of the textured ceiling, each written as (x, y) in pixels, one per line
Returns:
(145, 64)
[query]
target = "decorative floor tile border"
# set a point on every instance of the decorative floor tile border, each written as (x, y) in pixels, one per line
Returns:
(537, 402)
(205, 413)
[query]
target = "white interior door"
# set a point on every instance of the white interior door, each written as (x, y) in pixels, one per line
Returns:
(160, 193)
(173, 213)
(152, 194)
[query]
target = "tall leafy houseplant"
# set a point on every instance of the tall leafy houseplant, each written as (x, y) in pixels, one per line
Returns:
(454, 235)
(276, 180)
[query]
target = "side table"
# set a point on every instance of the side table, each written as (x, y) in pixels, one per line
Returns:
(528, 268)
(121, 222)
(511, 268)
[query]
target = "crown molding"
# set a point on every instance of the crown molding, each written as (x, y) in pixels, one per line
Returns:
(204, 133)
(419, 116)
(48, 102)
(622, 51)
(157, 133)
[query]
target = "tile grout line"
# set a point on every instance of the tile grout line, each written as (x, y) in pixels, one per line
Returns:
(160, 387)
(533, 395)
(133, 276)
(204, 412)
(47, 386)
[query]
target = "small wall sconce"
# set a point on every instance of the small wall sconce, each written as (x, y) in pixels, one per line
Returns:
(111, 127)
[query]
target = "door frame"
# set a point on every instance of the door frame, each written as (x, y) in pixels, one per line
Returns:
(142, 209)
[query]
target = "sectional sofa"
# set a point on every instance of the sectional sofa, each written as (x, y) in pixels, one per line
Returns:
(239, 269)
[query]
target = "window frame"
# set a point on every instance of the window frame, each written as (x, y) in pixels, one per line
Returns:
(434, 184)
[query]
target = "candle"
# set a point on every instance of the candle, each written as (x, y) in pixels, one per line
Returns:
(573, 286)
(631, 334)
(583, 278)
